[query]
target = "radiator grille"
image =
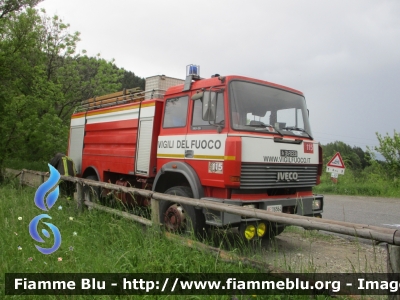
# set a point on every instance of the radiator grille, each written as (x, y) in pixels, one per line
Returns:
(264, 176)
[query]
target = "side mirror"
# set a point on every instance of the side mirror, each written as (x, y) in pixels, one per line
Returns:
(280, 125)
(209, 107)
(197, 96)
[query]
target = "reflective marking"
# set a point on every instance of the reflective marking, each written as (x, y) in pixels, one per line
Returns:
(171, 155)
(161, 155)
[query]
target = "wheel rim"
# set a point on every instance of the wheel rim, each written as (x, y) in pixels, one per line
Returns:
(175, 218)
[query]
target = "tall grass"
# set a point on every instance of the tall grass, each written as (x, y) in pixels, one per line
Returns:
(370, 182)
(95, 242)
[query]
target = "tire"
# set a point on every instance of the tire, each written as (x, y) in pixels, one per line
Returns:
(276, 229)
(180, 218)
(90, 193)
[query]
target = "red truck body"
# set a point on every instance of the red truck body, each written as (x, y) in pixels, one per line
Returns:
(229, 139)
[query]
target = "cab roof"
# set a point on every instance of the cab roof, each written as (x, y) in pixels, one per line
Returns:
(223, 81)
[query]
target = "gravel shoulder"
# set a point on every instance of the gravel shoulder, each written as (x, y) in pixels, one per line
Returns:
(298, 250)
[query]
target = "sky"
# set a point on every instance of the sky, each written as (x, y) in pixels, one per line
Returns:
(343, 55)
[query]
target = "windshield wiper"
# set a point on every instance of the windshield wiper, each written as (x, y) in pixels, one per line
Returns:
(261, 124)
(298, 129)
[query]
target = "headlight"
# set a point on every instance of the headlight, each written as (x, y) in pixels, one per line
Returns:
(316, 204)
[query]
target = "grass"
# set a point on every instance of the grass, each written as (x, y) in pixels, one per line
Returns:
(109, 244)
(308, 233)
(18, 164)
(359, 184)
(95, 242)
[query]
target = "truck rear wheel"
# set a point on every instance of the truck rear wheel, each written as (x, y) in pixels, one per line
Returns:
(91, 194)
(181, 218)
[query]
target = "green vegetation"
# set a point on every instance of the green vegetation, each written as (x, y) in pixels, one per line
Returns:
(364, 175)
(390, 149)
(95, 242)
(92, 242)
(365, 183)
(120, 245)
(18, 164)
(43, 79)
(353, 157)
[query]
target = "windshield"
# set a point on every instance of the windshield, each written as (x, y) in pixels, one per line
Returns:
(256, 107)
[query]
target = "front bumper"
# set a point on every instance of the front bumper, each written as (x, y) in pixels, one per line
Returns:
(298, 206)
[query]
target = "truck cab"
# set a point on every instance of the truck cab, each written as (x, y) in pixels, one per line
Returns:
(248, 142)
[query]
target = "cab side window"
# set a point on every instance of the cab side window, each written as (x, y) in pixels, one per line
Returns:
(197, 118)
(175, 113)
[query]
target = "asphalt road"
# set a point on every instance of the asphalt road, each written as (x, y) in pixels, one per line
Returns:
(383, 212)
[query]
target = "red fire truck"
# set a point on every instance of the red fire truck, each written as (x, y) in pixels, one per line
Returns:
(229, 139)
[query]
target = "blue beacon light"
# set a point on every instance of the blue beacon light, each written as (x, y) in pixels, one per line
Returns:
(193, 70)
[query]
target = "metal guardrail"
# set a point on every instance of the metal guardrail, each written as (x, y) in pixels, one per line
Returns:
(380, 234)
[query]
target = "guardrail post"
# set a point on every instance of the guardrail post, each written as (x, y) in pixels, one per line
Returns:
(41, 179)
(21, 179)
(393, 267)
(80, 197)
(155, 212)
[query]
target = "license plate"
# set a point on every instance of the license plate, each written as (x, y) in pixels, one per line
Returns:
(290, 153)
(274, 208)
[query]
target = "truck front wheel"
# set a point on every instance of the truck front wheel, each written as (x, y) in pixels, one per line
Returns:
(180, 218)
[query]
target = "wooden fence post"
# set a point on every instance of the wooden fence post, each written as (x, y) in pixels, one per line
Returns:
(155, 212)
(41, 179)
(393, 267)
(21, 179)
(80, 197)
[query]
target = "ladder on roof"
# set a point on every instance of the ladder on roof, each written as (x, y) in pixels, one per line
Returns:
(122, 97)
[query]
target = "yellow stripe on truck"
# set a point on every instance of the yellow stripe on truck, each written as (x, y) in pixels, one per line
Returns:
(219, 157)
(170, 155)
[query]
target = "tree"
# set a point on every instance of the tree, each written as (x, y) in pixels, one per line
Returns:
(20, 56)
(364, 156)
(130, 80)
(9, 6)
(42, 80)
(77, 76)
(353, 157)
(389, 147)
